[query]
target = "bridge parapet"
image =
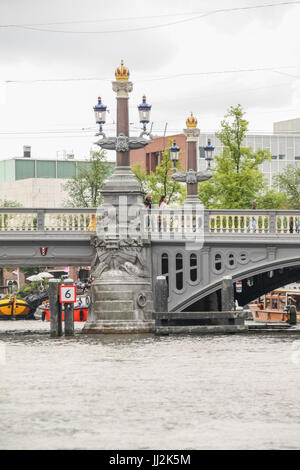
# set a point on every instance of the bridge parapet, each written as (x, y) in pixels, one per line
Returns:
(178, 223)
(47, 220)
(156, 224)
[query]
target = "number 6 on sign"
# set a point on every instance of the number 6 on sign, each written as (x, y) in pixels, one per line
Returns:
(67, 294)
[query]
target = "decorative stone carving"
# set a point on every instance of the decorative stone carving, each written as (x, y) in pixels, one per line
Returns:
(191, 176)
(122, 143)
(191, 134)
(122, 88)
(119, 257)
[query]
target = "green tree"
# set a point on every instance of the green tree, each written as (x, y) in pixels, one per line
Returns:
(141, 176)
(160, 183)
(84, 190)
(9, 203)
(272, 199)
(288, 182)
(237, 179)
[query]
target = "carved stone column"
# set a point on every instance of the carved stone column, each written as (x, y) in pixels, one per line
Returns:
(192, 134)
(122, 89)
(121, 294)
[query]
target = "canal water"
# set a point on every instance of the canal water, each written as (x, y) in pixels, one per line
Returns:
(146, 392)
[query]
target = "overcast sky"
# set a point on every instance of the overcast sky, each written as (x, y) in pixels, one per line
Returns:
(169, 49)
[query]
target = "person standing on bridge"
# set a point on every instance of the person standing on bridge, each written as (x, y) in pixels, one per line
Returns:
(162, 206)
(253, 220)
(148, 206)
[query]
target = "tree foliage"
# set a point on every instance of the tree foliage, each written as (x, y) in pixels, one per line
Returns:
(237, 180)
(288, 182)
(9, 203)
(160, 183)
(84, 190)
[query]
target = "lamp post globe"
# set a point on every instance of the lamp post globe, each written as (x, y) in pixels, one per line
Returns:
(144, 112)
(174, 152)
(100, 114)
(208, 153)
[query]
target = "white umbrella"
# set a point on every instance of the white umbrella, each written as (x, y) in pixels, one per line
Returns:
(45, 275)
(33, 278)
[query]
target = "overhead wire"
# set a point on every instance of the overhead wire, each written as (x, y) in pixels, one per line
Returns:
(157, 26)
(166, 77)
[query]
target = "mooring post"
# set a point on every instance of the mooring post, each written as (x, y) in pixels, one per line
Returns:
(161, 294)
(55, 309)
(69, 312)
(227, 294)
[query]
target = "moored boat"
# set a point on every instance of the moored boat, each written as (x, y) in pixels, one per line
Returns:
(273, 307)
(13, 309)
(80, 314)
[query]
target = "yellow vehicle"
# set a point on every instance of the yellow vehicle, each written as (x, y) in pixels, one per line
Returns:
(13, 308)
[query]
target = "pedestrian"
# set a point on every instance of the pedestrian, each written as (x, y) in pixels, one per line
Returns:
(148, 206)
(163, 202)
(162, 206)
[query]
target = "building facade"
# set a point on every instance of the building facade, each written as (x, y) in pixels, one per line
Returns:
(283, 144)
(150, 156)
(284, 148)
(38, 182)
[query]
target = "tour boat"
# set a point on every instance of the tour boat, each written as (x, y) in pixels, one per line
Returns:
(272, 307)
(14, 308)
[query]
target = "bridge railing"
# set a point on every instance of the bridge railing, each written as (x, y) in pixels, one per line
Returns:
(188, 221)
(48, 220)
(184, 221)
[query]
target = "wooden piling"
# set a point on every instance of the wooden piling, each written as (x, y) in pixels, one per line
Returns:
(69, 312)
(55, 309)
(161, 295)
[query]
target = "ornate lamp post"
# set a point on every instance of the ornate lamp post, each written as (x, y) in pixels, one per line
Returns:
(100, 115)
(174, 152)
(123, 182)
(122, 291)
(144, 112)
(208, 153)
(192, 177)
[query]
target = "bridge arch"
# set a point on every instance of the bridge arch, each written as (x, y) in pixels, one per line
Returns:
(285, 272)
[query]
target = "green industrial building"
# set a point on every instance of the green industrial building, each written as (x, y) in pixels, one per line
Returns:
(38, 182)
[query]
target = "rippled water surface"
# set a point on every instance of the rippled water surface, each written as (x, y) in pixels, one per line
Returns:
(143, 392)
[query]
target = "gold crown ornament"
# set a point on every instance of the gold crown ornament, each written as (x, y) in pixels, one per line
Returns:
(191, 122)
(122, 73)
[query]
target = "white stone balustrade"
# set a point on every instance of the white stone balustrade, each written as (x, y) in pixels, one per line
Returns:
(157, 222)
(17, 221)
(54, 220)
(248, 222)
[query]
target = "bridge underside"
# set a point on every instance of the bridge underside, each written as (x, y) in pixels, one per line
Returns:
(252, 288)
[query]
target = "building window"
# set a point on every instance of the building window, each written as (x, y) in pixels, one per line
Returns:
(193, 267)
(201, 152)
(297, 158)
(281, 157)
(274, 157)
(179, 272)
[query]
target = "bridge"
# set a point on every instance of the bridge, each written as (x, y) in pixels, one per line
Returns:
(194, 249)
